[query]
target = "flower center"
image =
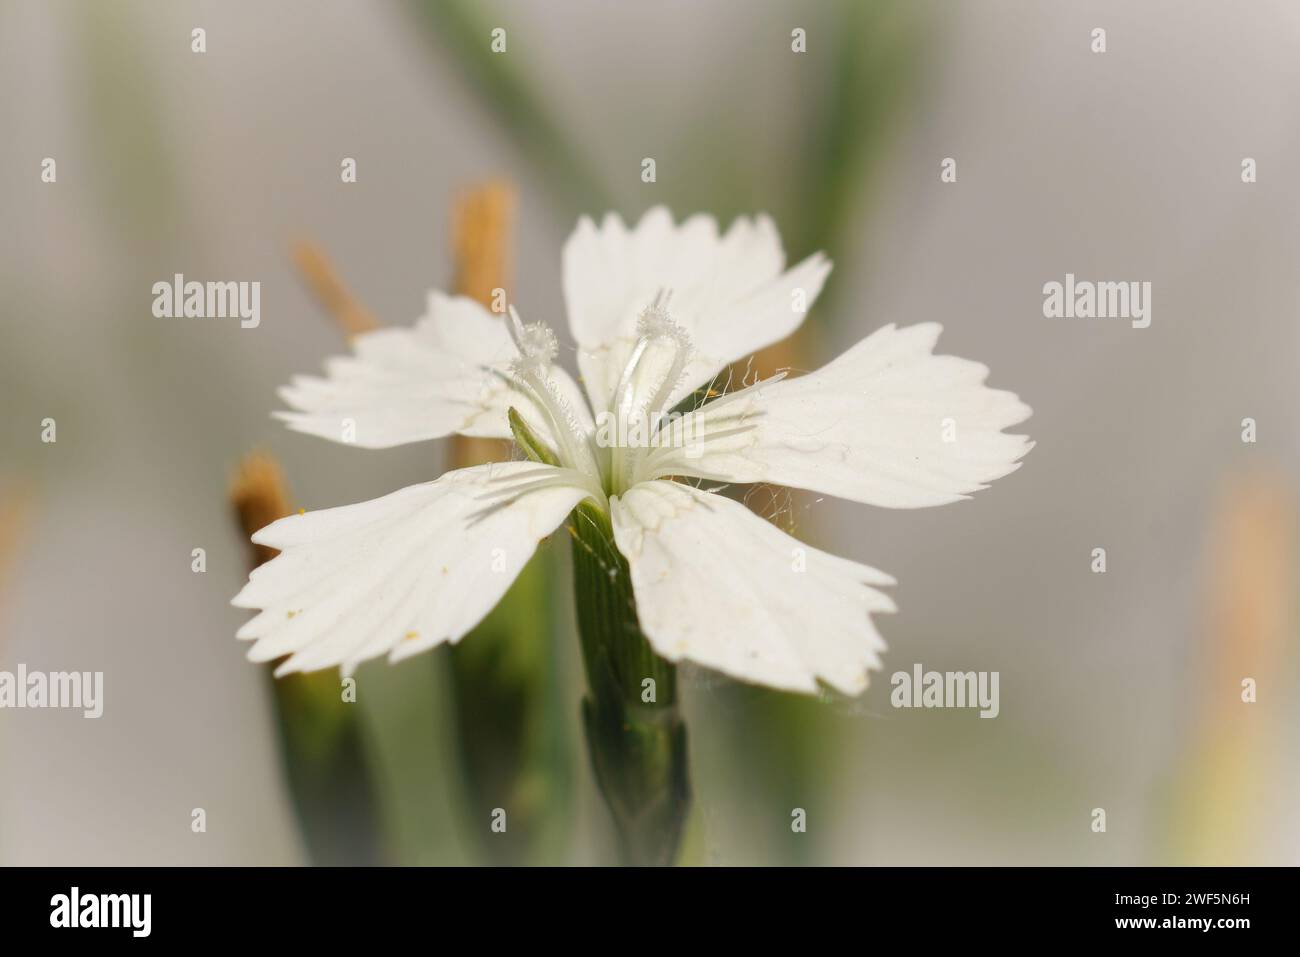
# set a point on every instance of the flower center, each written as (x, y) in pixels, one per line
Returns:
(627, 433)
(652, 372)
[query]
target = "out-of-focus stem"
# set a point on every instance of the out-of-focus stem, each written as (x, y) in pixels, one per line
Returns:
(330, 291)
(13, 513)
(1219, 800)
(462, 29)
(481, 230)
(321, 736)
(12, 521)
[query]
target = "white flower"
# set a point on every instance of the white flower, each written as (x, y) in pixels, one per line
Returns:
(657, 311)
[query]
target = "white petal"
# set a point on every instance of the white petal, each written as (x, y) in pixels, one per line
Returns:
(401, 573)
(719, 586)
(423, 382)
(887, 423)
(729, 292)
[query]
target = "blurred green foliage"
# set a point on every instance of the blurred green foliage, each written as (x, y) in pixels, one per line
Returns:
(510, 733)
(327, 762)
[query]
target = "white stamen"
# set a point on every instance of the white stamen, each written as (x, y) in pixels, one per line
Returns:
(529, 373)
(653, 371)
(728, 417)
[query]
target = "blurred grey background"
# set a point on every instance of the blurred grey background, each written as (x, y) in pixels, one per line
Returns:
(1119, 690)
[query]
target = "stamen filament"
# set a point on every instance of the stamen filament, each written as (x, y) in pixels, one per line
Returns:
(651, 374)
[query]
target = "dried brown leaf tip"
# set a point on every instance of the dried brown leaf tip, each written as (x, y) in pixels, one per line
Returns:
(14, 503)
(330, 291)
(259, 495)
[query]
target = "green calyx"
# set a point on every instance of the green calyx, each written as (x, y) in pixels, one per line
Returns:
(635, 732)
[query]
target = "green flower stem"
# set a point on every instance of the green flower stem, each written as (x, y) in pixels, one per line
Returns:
(635, 732)
(330, 778)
